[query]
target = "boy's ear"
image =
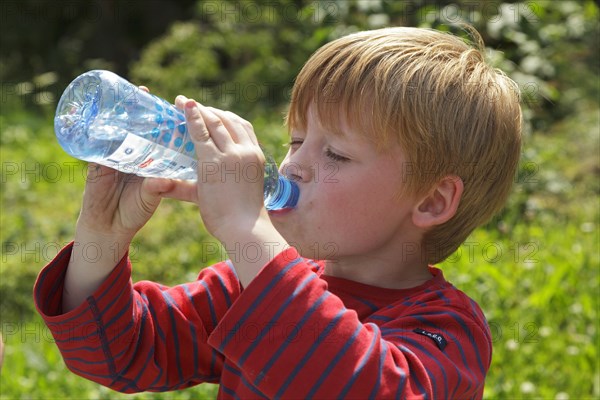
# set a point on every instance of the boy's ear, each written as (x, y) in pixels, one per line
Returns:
(440, 204)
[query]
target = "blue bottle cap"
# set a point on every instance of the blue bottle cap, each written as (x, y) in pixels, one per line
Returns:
(286, 196)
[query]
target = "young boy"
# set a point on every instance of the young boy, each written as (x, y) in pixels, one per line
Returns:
(402, 142)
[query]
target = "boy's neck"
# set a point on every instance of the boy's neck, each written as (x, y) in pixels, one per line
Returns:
(380, 272)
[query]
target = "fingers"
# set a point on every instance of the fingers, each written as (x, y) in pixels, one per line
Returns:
(242, 130)
(196, 124)
(180, 102)
(208, 132)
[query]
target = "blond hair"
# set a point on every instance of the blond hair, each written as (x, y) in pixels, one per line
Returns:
(434, 95)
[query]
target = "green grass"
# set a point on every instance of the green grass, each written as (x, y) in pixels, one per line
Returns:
(534, 270)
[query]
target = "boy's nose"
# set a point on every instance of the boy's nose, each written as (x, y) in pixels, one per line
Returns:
(297, 171)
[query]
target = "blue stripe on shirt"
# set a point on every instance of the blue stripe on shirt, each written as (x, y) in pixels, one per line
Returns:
(193, 332)
(334, 361)
(251, 309)
(382, 357)
(399, 333)
(170, 302)
(367, 303)
(161, 333)
(401, 374)
(228, 391)
(420, 386)
(309, 353)
(284, 345)
(126, 307)
(232, 268)
(223, 288)
(441, 295)
(110, 285)
(432, 376)
(137, 345)
(360, 367)
(314, 264)
(209, 298)
(273, 320)
(46, 271)
(244, 381)
(380, 318)
(70, 328)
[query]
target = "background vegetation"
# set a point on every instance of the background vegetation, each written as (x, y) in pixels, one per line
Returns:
(533, 269)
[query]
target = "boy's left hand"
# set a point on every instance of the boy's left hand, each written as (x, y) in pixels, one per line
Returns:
(229, 189)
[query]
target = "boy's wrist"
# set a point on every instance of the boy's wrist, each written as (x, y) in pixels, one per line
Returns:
(93, 235)
(103, 250)
(94, 255)
(253, 246)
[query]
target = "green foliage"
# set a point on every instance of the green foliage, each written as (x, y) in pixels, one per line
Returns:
(533, 269)
(68, 37)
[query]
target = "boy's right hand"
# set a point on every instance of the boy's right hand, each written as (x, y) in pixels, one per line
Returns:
(117, 205)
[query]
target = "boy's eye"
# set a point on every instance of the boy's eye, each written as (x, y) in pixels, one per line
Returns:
(335, 157)
(294, 143)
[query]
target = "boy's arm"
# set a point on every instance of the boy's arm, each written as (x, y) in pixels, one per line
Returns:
(138, 337)
(306, 344)
(92, 259)
(115, 206)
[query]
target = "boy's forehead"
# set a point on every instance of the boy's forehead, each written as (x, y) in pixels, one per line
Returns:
(335, 123)
(330, 120)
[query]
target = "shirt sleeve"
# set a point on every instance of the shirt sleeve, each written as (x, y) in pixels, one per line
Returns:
(142, 337)
(289, 336)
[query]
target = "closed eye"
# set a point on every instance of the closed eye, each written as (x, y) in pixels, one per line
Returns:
(335, 157)
(295, 143)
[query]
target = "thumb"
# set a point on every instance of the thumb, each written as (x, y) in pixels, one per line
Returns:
(155, 187)
(171, 188)
(150, 192)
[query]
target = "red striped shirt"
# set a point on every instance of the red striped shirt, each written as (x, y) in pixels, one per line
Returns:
(292, 333)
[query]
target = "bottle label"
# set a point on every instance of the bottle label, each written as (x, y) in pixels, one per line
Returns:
(143, 157)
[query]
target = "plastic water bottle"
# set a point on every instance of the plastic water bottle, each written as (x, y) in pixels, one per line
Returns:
(105, 119)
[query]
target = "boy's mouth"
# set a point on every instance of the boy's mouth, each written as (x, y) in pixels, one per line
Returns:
(281, 211)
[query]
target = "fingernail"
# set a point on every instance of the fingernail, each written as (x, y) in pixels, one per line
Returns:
(192, 107)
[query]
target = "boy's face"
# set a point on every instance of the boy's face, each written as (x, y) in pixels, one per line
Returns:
(349, 204)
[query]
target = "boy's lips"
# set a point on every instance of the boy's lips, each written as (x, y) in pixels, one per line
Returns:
(280, 212)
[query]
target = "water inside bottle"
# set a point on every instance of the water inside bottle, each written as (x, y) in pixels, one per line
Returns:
(105, 119)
